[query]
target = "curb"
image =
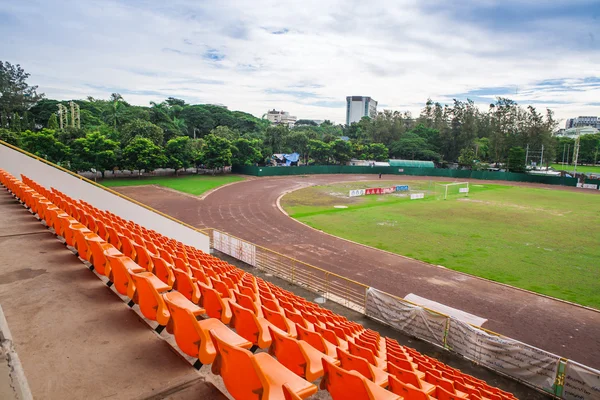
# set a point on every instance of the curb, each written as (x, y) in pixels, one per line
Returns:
(278, 204)
(16, 375)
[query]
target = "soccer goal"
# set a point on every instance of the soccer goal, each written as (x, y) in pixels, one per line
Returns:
(445, 191)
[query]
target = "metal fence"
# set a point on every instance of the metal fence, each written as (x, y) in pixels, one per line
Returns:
(437, 172)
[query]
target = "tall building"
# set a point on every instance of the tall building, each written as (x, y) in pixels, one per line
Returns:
(582, 121)
(281, 117)
(358, 107)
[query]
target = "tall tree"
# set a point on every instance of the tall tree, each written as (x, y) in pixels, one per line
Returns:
(245, 152)
(52, 122)
(516, 159)
(179, 153)
(341, 150)
(142, 154)
(44, 144)
(216, 152)
(15, 93)
(141, 128)
(319, 151)
(94, 151)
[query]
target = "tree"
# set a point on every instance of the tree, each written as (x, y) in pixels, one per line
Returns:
(216, 152)
(319, 151)
(297, 141)
(378, 152)
(15, 94)
(245, 152)
(516, 159)
(467, 157)
(302, 122)
(94, 151)
(142, 154)
(117, 104)
(9, 137)
(141, 128)
(341, 150)
(15, 123)
(52, 122)
(44, 144)
(275, 138)
(225, 132)
(179, 153)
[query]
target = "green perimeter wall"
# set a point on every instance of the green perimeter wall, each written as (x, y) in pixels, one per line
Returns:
(437, 172)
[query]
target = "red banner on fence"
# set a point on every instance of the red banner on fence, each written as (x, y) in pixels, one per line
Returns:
(386, 190)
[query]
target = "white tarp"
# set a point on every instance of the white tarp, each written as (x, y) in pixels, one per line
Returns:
(581, 382)
(236, 248)
(406, 317)
(444, 309)
(503, 354)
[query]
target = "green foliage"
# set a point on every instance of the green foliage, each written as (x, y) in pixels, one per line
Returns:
(15, 123)
(10, 137)
(341, 151)
(141, 128)
(44, 144)
(216, 152)
(52, 122)
(142, 154)
(319, 151)
(225, 132)
(275, 138)
(15, 93)
(179, 153)
(245, 152)
(378, 152)
(516, 159)
(467, 157)
(94, 151)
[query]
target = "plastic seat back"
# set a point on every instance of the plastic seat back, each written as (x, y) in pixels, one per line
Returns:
(142, 257)
(214, 305)
(163, 270)
(245, 323)
(287, 352)
(276, 318)
(443, 394)
(246, 301)
(185, 285)
(149, 299)
(363, 352)
(403, 375)
(312, 338)
(407, 391)
(343, 384)
(235, 366)
(356, 363)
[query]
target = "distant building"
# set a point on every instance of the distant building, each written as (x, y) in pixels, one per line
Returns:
(358, 107)
(577, 131)
(281, 117)
(583, 121)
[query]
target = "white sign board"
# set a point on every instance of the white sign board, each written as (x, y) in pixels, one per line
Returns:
(503, 354)
(414, 196)
(590, 186)
(234, 247)
(581, 382)
(463, 190)
(413, 320)
(357, 192)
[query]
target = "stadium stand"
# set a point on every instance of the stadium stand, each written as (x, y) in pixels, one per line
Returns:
(220, 315)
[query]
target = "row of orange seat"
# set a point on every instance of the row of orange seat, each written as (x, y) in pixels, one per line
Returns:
(176, 284)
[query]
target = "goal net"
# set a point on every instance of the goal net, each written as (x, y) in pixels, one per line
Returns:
(444, 191)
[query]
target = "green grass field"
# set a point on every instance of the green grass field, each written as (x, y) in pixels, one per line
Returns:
(542, 240)
(580, 168)
(192, 184)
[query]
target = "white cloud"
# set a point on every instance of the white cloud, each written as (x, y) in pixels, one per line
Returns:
(397, 52)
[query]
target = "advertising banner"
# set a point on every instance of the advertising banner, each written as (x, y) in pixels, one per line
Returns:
(234, 247)
(581, 382)
(415, 196)
(401, 188)
(406, 317)
(357, 192)
(503, 354)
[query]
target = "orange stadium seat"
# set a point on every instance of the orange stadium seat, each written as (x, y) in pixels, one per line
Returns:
(316, 341)
(362, 366)
(215, 306)
(251, 327)
(407, 391)
(186, 285)
(367, 354)
(410, 378)
(147, 294)
(297, 355)
(249, 377)
(192, 335)
(350, 385)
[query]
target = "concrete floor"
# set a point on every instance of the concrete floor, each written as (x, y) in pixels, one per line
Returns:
(75, 338)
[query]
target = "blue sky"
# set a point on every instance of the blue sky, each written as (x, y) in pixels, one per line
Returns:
(306, 58)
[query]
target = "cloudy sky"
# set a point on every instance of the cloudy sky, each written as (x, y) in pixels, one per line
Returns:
(307, 56)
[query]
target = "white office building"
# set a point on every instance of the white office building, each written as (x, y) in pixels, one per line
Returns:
(574, 132)
(583, 121)
(281, 117)
(358, 107)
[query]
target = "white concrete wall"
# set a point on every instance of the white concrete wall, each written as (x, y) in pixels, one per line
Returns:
(18, 163)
